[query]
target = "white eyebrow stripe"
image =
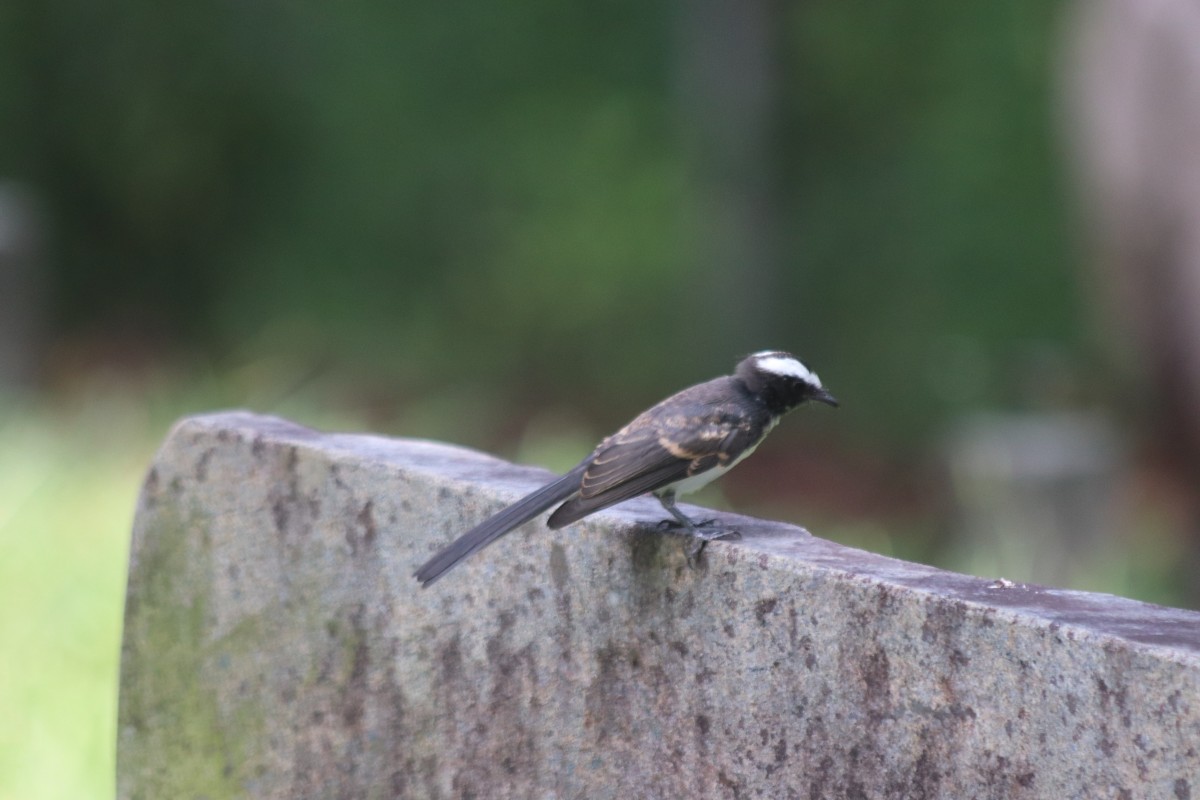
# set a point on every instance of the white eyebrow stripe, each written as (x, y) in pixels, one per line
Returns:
(785, 365)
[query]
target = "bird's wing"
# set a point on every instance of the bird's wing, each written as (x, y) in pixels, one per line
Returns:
(655, 450)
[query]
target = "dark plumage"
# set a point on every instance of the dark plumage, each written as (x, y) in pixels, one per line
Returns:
(677, 446)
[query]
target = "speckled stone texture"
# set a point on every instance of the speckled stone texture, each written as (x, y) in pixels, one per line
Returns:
(277, 646)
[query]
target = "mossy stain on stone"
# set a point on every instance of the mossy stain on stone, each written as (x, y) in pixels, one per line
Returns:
(172, 741)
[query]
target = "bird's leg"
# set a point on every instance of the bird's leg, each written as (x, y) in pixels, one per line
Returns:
(683, 521)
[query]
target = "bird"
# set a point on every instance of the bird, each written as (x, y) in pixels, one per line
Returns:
(673, 448)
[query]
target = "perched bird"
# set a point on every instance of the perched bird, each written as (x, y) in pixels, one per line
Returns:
(678, 446)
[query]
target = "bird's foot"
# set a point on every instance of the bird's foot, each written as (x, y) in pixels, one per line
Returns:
(715, 532)
(689, 526)
(720, 534)
(697, 549)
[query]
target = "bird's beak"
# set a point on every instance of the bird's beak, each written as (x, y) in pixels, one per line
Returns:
(822, 396)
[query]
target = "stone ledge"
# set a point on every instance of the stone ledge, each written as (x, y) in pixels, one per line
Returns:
(276, 645)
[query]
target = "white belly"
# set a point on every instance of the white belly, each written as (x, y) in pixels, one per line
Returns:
(689, 485)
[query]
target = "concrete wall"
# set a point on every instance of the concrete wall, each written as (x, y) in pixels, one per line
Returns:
(277, 646)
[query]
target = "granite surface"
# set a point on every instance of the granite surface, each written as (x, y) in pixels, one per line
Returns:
(277, 646)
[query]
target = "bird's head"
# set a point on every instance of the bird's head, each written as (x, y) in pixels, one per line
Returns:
(782, 380)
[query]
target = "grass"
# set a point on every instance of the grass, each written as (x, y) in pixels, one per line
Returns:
(68, 483)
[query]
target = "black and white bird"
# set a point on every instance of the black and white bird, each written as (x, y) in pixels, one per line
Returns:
(678, 446)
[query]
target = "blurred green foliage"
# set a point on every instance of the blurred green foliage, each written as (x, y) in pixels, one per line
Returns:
(65, 514)
(931, 242)
(471, 193)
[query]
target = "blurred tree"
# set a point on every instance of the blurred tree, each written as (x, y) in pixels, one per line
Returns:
(157, 137)
(729, 95)
(927, 202)
(460, 193)
(1133, 93)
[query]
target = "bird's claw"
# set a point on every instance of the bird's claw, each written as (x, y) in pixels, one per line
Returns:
(701, 537)
(668, 525)
(717, 536)
(671, 525)
(697, 549)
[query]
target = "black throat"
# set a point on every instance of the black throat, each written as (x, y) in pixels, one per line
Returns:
(777, 393)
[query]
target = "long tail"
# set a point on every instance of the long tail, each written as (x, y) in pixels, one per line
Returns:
(493, 528)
